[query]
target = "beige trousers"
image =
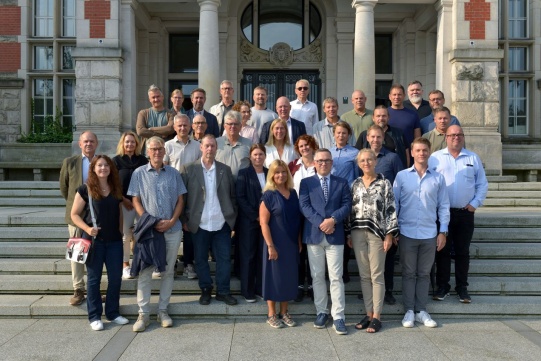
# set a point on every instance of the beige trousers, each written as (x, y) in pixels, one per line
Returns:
(77, 269)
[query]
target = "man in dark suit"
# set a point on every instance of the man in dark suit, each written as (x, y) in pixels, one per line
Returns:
(295, 128)
(325, 202)
(73, 174)
(210, 215)
(199, 97)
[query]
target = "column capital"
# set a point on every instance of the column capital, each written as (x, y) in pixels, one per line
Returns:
(209, 3)
(442, 4)
(359, 4)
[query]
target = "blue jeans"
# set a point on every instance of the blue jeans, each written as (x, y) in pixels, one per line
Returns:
(220, 241)
(109, 253)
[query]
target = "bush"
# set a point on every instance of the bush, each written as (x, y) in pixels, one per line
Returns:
(53, 131)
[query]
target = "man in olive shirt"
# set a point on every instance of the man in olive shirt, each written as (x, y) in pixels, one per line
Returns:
(359, 118)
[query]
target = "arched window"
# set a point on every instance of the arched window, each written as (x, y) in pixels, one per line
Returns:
(267, 22)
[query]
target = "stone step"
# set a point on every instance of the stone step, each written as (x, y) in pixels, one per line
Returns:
(37, 306)
(32, 202)
(34, 233)
(507, 217)
(32, 216)
(514, 194)
(507, 234)
(16, 193)
(28, 185)
(61, 284)
(506, 250)
(505, 202)
(501, 178)
(519, 186)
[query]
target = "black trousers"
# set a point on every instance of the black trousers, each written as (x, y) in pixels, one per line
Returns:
(388, 274)
(304, 268)
(461, 228)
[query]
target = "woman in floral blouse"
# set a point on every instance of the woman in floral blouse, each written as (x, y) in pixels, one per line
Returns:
(373, 227)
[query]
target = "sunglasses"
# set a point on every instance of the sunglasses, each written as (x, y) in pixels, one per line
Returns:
(305, 88)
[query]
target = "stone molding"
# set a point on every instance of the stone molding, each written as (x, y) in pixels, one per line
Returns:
(11, 83)
(281, 54)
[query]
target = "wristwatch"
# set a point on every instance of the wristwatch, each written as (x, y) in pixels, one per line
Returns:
(334, 219)
(445, 233)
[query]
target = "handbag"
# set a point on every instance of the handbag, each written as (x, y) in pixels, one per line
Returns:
(78, 248)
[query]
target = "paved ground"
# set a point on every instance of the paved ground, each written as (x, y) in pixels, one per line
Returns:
(251, 339)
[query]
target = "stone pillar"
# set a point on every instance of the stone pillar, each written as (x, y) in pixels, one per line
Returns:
(99, 95)
(444, 44)
(345, 77)
(128, 37)
(364, 63)
(10, 110)
(475, 91)
(209, 51)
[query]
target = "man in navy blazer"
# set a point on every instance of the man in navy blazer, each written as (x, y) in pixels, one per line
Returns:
(199, 97)
(325, 202)
(295, 128)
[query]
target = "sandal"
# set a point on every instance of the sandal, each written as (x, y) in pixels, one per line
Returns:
(375, 325)
(363, 324)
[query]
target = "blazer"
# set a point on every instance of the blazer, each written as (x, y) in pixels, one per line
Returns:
(212, 122)
(297, 128)
(315, 210)
(71, 178)
(192, 175)
(249, 194)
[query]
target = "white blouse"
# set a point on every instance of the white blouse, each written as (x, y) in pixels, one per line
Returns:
(288, 155)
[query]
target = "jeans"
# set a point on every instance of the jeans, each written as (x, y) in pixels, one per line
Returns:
(77, 269)
(128, 217)
(334, 254)
(370, 258)
(220, 242)
(416, 257)
(110, 254)
(172, 244)
(461, 228)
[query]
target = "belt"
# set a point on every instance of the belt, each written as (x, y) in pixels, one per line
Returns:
(458, 209)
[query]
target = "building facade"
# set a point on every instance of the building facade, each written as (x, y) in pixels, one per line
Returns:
(93, 60)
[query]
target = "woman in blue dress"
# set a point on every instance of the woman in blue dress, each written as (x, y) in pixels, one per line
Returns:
(280, 216)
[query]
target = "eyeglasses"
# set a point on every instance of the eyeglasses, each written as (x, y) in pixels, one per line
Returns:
(199, 123)
(227, 88)
(459, 135)
(232, 124)
(301, 88)
(156, 149)
(246, 112)
(323, 161)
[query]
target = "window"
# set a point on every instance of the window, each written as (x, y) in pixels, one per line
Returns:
(52, 74)
(281, 21)
(516, 74)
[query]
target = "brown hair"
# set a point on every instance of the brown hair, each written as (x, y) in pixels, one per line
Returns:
(113, 180)
(258, 146)
(308, 139)
(341, 124)
(421, 140)
(240, 104)
(397, 86)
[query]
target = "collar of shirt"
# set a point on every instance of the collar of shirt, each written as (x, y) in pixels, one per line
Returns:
(149, 167)
(345, 148)
(212, 167)
(329, 124)
(181, 142)
(383, 152)
(85, 157)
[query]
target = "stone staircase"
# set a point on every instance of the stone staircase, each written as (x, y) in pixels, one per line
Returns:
(35, 278)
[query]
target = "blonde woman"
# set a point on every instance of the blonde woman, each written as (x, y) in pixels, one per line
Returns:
(280, 219)
(278, 146)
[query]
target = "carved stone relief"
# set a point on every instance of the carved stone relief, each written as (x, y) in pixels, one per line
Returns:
(470, 72)
(281, 54)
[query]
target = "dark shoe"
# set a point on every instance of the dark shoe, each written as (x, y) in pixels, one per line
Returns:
(440, 294)
(360, 296)
(300, 294)
(227, 299)
(321, 320)
(346, 278)
(78, 297)
(389, 298)
(205, 297)
(310, 292)
(363, 324)
(463, 295)
(375, 326)
(340, 327)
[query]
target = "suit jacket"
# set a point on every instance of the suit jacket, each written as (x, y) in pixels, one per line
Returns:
(71, 178)
(249, 194)
(212, 122)
(192, 175)
(315, 209)
(297, 128)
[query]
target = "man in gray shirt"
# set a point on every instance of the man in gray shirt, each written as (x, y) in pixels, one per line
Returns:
(233, 150)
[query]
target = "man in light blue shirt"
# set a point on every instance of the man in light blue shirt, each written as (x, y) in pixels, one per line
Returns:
(467, 187)
(344, 156)
(421, 200)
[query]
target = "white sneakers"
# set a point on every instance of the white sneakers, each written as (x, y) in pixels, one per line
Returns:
(189, 272)
(120, 320)
(96, 325)
(126, 273)
(164, 319)
(422, 317)
(409, 319)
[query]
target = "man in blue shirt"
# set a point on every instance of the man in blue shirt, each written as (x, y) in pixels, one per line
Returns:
(421, 200)
(467, 187)
(436, 99)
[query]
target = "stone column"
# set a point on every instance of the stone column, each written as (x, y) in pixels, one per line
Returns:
(344, 76)
(128, 38)
(364, 63)
(444, 44)
(209, 51)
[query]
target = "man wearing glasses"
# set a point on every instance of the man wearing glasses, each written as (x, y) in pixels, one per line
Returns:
(303, 109)
(325, 202)
(222, 108)
(467, 187)
(232, 149)
(158, 189)
(436, 99)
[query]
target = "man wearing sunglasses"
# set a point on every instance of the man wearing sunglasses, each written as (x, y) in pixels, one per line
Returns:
(303, 109)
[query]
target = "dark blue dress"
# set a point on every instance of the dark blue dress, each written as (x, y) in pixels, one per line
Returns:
(280, 276)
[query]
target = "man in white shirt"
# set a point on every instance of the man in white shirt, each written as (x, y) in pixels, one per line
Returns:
(303, 109)
(222, 108)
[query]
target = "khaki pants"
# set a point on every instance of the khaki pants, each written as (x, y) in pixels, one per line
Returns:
(77, 269)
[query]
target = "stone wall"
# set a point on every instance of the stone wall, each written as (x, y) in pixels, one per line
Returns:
(10, 109)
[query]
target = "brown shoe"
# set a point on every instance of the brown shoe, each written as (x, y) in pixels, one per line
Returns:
(78, 297)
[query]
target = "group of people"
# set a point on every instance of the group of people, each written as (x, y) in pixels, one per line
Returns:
(294, 195)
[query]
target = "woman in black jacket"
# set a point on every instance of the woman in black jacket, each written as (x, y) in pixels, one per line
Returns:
(128, 159)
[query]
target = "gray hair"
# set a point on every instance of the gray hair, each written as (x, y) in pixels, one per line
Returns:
(233, 115)
(155, 139)
(154, 89)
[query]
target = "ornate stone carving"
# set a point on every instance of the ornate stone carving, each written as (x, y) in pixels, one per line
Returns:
(281, 54)
(250, 54)
(312, 54)
(470, 72)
